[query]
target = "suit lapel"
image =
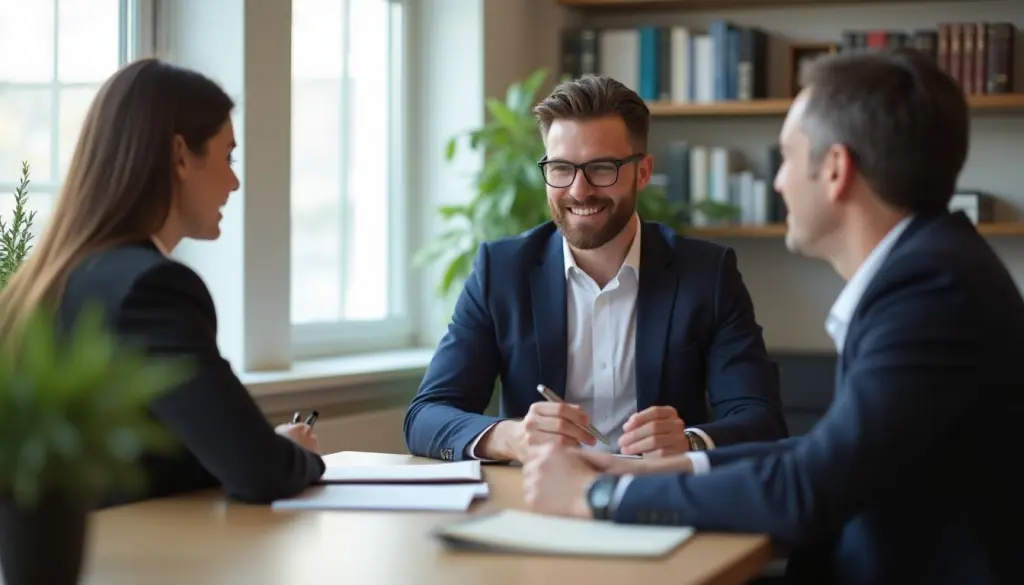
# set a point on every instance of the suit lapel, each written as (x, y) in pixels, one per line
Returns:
(547, 297)
(658, 282)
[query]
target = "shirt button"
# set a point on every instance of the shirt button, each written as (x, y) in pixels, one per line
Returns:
(604, 365)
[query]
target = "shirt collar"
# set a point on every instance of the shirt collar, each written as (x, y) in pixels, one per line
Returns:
(846, 303)
(159, 245)
(632, 260)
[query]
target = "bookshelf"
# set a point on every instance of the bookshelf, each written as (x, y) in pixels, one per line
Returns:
(995, 103)
(779, 230)
(709, 4)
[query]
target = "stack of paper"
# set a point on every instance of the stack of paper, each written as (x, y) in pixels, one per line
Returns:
(457, 472)
(446, 487)
(516, 531)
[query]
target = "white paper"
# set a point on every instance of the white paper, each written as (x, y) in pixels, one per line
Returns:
(445, 498)
(525, 532)
(459, 471)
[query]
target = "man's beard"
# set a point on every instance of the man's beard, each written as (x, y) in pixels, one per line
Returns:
(588, 237)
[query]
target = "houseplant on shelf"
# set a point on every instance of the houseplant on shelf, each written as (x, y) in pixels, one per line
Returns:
(510, 195)
(73, 422)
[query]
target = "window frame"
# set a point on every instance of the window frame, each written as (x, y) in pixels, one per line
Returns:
(137, 28)
(345, 336)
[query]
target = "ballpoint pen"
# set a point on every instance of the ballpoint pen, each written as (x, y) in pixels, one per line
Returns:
(550, 396)
(311, 419)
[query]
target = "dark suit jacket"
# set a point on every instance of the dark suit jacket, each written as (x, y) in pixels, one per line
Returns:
(225, 438)
(695, 331)
(907, 477)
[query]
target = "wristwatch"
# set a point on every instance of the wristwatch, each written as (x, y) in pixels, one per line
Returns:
(600, 494)
(696, 441)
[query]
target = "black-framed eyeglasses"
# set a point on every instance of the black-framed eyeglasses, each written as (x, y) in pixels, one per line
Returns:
(601, 172)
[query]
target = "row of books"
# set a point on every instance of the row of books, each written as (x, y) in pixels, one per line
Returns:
(693, 173)
(979, 55)
(729, 62)
(674, 64)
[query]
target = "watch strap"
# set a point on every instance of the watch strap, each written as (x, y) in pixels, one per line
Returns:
(697, 442)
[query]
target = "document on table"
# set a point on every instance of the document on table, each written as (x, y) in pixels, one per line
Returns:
(434, 497)
(517, 531)
(459, 471)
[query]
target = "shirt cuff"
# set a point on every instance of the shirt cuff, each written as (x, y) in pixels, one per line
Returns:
(700, 462)
(619, 493)
(703, 435)
(471, 449)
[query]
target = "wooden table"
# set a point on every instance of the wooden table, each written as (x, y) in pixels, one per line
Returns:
(204, 539)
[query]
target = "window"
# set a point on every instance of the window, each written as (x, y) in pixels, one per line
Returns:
(56, 54)
(347, 226)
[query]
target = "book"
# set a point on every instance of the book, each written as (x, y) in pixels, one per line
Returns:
(518, 531)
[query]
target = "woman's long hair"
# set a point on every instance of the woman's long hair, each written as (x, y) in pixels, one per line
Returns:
(120, 182)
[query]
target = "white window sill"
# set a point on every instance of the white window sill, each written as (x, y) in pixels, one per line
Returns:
(339, 372)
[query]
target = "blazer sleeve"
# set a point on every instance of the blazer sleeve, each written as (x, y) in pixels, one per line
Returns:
(446, 414)
(170, 312)
(742, 381)
(917, 351)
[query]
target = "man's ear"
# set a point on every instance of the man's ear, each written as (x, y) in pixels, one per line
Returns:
(644, 169)
(180, 156)
(837, 171)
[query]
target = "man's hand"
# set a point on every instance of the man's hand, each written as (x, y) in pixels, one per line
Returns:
(300, 433)
(545, 423)
(655, 432)
(555, 479)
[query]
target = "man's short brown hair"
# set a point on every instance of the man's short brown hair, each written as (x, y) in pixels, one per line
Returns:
(589, 98)
(904, 121)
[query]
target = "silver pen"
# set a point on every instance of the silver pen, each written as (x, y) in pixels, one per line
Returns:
(550, 396)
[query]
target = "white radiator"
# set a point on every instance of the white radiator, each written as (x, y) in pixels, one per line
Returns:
(378, 431)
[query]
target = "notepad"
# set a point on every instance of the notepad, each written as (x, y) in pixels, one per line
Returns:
(441, 498)
(456, 472)
(516, 531)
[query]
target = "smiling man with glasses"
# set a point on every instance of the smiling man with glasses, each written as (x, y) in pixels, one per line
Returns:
(647, 336)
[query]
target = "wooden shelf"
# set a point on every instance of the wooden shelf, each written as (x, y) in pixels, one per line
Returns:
(709, 4)
(779, 230)
(1007, 102)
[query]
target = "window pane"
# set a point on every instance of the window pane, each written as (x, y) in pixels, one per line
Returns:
(74, 105)
(340, 193)
(88, 40)
(25, 119)
(26, 41)
(366, 294)
(316, 166)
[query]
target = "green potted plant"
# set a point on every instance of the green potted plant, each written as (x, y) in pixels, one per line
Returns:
(510, 194)
(73, 422)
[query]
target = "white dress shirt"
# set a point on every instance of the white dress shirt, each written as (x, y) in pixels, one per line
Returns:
(836, 323)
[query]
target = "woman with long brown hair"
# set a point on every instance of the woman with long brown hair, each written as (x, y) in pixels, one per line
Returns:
(153, 166)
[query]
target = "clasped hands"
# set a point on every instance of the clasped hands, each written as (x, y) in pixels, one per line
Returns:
(654, 432)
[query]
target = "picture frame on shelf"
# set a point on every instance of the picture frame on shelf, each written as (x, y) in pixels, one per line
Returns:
(800, 56)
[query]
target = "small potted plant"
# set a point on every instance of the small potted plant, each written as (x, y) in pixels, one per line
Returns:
(73, 423)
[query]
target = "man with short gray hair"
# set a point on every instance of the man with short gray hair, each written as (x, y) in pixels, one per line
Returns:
(906, 478)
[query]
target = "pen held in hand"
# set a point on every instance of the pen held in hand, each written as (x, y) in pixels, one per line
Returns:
(550, 396)
(311, 419)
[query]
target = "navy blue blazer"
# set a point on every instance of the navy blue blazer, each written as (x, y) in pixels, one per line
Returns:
(695, 331)
(907, 476)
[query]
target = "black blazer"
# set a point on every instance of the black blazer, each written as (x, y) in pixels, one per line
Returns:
(162, 304)
(910, 476)
(697, 342)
